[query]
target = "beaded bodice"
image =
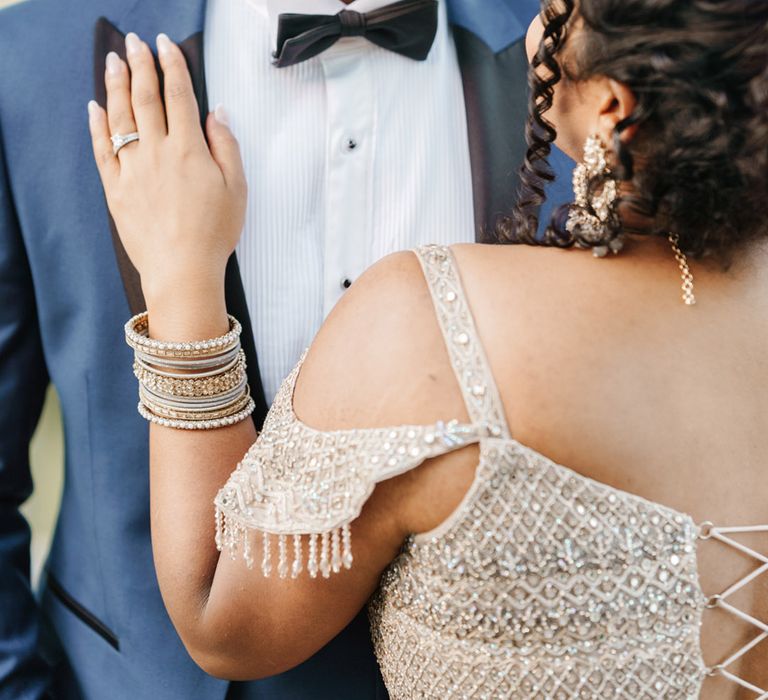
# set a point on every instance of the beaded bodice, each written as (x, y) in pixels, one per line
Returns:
(542, 584)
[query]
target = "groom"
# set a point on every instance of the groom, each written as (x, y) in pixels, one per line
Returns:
(352, 149)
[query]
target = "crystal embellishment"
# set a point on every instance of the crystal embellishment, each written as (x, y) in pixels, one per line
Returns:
(543, 584)
(332, 475)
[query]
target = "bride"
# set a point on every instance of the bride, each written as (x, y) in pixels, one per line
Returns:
(415, 459)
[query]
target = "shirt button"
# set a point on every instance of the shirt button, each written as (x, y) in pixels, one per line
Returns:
(346, 283)
(350, 144)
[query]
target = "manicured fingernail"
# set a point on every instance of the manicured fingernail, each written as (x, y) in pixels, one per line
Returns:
(132, 43)
(114, 64)
(93, 110)
(163, 44)
(220, 114)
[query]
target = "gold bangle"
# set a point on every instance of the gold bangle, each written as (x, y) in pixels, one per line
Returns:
(198, 424)
(177, 398)
(189, 385)
(174, 414)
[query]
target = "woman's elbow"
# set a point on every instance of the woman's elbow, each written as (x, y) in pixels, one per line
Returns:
(231, 650)
(225, 667)
(237, 664)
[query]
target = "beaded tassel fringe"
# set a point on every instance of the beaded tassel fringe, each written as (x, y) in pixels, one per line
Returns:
(326, 553)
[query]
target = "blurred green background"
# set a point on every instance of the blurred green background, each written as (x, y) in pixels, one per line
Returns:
(47, 455)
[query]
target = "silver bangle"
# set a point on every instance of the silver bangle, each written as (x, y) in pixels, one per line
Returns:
(219, 369)
(214, 405)
(189, 364)
(168, 411)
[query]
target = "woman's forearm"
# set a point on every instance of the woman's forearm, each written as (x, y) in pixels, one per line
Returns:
(238, 623)
(187, 469)
(178, 199)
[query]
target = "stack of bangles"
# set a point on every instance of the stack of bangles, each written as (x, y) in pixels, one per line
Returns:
(191, 386)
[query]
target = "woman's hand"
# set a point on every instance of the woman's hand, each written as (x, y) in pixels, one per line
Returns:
(178, 203)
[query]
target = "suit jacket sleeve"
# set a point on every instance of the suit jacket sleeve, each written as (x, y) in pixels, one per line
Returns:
(23, 383)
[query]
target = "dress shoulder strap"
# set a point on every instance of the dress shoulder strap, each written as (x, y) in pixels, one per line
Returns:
(301, 488)
(468, 359)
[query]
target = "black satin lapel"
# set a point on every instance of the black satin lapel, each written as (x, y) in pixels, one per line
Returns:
(110, 38)
(496, 101)
(238, 307)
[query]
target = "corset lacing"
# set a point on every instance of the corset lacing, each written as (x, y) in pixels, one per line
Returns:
(707, 530)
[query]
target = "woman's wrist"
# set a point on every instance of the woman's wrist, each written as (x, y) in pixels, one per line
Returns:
(185, 312)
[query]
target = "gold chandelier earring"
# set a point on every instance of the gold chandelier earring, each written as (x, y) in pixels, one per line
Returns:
(592, 219)
(593, 214)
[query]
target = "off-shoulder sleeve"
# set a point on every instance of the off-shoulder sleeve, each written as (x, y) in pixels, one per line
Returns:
(301, 488)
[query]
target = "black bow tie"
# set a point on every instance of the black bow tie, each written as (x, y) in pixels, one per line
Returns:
(407, 27)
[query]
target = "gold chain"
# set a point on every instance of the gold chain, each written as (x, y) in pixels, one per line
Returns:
(685, 271)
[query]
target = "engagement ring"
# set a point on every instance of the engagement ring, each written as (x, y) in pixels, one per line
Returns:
(120, 140)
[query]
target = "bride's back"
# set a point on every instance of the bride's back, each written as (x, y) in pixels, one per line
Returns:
(602, 368)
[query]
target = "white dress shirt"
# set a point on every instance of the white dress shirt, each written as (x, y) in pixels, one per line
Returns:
(349, 156)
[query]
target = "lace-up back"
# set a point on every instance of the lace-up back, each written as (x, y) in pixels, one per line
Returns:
(542, 584)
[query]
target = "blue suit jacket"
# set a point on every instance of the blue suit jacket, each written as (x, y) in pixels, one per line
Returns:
(66, 289)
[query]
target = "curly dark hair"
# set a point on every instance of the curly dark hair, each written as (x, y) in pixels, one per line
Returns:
(699, 71)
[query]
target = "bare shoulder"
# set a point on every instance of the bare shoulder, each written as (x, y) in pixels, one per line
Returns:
(581, 347)
(564, 299)
(379, 360)
(554, 323)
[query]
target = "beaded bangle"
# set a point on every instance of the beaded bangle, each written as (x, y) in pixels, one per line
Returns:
(198, 385)
(194, 385)
(200, 404)
(197, 424)
(193, 390)
(136, 335)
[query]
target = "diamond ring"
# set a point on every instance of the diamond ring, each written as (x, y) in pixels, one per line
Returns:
(120, 140)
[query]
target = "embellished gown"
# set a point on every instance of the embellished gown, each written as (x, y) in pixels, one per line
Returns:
(543, 583)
